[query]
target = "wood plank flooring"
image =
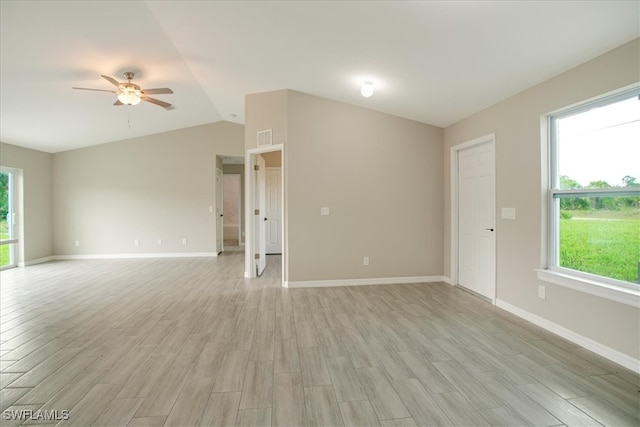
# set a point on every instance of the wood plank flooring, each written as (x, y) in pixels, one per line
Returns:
(187, 342)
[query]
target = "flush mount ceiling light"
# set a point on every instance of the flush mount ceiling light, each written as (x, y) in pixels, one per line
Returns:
(367, 89)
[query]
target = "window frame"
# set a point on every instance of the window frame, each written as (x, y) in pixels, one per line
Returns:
(609, 288)
(12, 242)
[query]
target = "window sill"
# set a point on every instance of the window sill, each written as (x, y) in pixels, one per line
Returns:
(590, 286)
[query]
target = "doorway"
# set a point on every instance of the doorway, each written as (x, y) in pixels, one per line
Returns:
(473, 255)
(232, 224)
(258, 161)
(229, 209)
(219, 212)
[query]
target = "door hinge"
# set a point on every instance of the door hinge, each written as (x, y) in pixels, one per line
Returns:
(257, 256)
(256, 167)
(256, 212)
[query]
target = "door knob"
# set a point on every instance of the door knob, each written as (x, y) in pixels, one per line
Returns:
(489, 229)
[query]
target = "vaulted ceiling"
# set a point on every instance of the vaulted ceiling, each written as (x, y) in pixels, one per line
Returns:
(436, 62)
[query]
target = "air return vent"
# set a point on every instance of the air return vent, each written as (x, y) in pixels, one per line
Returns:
(265, 138)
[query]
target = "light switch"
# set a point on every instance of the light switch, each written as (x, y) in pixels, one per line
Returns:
(324, 210)
(508, 213)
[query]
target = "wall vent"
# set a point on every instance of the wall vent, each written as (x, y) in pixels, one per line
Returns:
(265, 138)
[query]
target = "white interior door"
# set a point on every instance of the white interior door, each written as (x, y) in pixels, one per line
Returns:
(476, 219)
(273, 212)
(260, 216)
(219, 212)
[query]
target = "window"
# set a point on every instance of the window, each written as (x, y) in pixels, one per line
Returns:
(594, 192)
(8, 235)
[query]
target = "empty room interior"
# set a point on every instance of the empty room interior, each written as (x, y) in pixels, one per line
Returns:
(293, 213)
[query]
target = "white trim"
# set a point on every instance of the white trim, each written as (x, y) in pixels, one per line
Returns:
(132, 256)
(268, 149)
(453, 158)
(118, 256)
(593, 287)
(448, 280)
(36, 261)
(594, 346)
(363, 282)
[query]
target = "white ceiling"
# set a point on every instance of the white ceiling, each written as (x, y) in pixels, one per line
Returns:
(433, 61)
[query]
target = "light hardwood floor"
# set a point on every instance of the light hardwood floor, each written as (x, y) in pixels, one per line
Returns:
(180, 342)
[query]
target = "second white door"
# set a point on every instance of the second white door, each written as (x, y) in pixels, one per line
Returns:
(476, 219)
(273, 211)
(259, 216)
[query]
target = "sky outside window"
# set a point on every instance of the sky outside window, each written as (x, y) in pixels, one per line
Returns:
(602, 144)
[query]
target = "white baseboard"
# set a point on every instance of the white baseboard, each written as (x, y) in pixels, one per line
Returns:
(132, 256)
(448, 280)
(361, 282)
(35, 261)
(598, 348)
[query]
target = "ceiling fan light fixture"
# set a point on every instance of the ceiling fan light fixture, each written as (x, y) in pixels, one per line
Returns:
(129, 96)
(130, 93)
(367, 89)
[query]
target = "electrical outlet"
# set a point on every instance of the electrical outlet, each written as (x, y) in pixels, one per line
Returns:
(365, 260)
(542, 292)
(159, 242)
(136, 242)
(184, 241)
(77, 243)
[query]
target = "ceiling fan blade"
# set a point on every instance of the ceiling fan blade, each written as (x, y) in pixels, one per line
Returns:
(118, 102)
(163, 104)
(157, 91)
(97, 90)
(111, 80)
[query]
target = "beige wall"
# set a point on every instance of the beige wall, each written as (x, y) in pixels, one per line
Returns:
(265, 111)
(154, 187)
(384, 178)
(516, 123)
(381, 177)
(37, 202)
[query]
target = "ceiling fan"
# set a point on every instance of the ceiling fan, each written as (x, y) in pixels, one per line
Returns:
(130, 93)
